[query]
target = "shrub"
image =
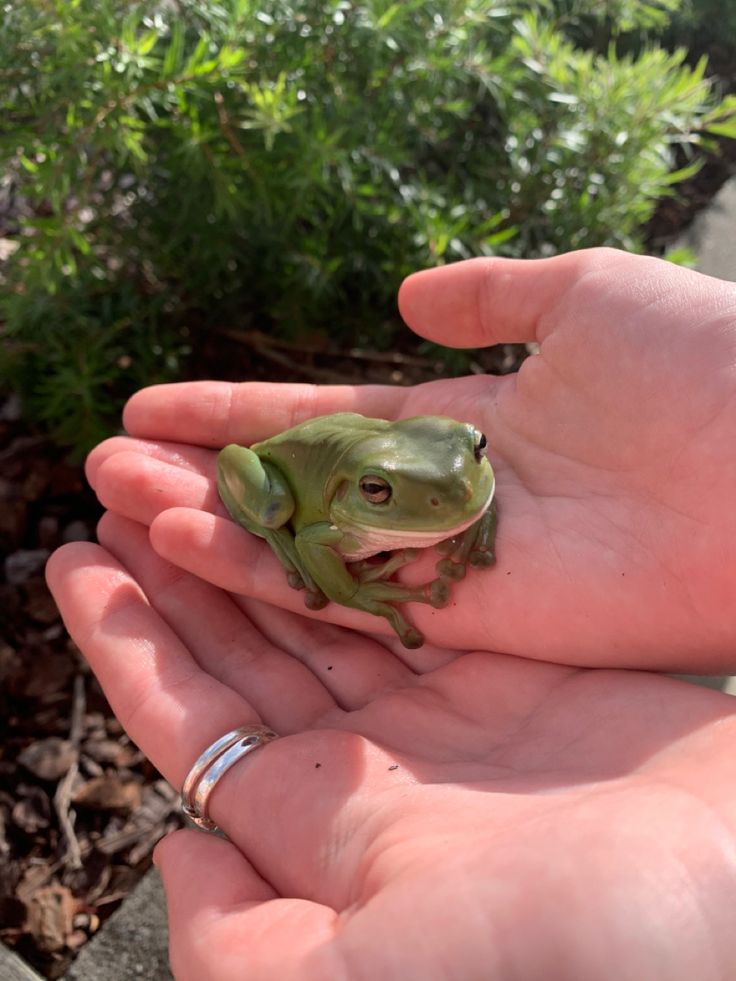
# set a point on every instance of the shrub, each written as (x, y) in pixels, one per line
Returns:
(706, 26)
(285, 163)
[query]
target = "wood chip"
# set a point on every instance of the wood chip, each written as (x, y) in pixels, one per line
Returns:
(32, 811)
(49, 758)
(51, 917)
(108, 793)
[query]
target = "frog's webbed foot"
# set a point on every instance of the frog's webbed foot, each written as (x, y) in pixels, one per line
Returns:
(378, 595)
(408, 634)
(380, 598)
(475, 546)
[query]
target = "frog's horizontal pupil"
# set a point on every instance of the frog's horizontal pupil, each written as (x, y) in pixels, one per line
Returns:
(375, 490)
(480, 446)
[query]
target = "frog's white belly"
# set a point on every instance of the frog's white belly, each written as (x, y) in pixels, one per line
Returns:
(375, 540)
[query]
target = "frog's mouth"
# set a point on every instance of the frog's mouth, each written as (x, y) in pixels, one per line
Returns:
(373, 539)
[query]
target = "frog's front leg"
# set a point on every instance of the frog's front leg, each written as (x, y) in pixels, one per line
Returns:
(368, 571)
(258, 497)
(475, 546)
(317, 546)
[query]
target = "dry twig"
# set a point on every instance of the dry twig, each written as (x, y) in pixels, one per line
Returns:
(62, 797)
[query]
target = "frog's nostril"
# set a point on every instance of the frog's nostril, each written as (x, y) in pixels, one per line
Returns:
(434, 501)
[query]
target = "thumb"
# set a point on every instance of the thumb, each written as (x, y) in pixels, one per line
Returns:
(480, 302)
(226, 922)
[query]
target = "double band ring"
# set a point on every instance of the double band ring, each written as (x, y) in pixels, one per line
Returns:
(213, 764)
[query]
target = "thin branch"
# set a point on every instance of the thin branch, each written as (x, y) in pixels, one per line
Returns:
(225, 127)
(257, 339)
(62, 797)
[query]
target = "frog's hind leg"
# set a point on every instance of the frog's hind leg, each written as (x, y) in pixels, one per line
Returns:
(281, 541)
(258, 498)
(409, 636)
(254, 492)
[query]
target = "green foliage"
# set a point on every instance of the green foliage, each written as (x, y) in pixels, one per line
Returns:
(286, 163)
(595, 21)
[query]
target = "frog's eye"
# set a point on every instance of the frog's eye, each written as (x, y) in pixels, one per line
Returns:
(376, 490)
(480, 447)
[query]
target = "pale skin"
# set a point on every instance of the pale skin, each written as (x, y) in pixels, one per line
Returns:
(445, 813)
(615, 484)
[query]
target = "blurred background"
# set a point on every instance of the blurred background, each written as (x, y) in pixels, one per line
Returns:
(236, 190)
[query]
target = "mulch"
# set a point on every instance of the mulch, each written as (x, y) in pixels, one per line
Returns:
(80, 806)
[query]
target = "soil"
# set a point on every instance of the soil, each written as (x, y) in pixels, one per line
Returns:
(80, 807)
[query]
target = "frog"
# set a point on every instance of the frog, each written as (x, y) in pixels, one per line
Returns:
(345, 501)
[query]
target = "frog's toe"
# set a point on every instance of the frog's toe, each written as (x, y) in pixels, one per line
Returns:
(451, 570)
(481, 558)
(411, 638)
(295, 580)
(448, 546)
(437, 593)
(315, 599)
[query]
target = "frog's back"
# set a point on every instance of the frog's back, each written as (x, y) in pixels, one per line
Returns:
(307, 453)
(321, 436)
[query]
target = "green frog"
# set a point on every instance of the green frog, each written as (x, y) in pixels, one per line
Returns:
(345, 501)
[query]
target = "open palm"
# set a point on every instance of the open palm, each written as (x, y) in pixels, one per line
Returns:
(612, 448)
(428, 814)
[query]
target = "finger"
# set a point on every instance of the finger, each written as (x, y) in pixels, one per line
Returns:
(223, 641)
(426, 659)
(170, 707)
(229, 923)
(354, 668)
(397, 666)
(190, 458)
(480, 302)
(217, 550)
(216, 413)
(141, 487)
(289, 790)
(139, 479)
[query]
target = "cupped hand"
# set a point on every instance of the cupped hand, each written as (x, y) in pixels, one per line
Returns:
(425, 814)
(613, 449)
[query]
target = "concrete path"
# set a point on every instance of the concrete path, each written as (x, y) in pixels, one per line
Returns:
(133, 944)
(12, 968)
(712, 236)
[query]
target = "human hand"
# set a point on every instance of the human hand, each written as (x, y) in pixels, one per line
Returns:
(612, 449)
(427, 815)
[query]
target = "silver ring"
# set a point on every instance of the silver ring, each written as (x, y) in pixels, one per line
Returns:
(213, 764)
